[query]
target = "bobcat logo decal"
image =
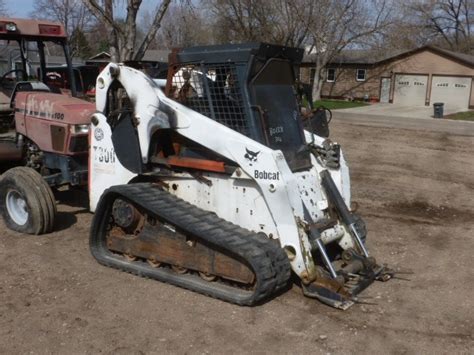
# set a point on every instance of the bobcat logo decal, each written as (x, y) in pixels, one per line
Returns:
(99, 134)
(251, 156)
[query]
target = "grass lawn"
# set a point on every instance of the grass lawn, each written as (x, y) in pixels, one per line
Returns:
(462, 116)
(338, 104)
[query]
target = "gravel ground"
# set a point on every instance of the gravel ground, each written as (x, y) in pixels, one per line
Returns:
(415, 191)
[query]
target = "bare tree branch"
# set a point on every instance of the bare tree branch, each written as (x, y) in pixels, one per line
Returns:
(73, 15)
(101, 14)
(123, 34)
(160, 13)
(448, 20)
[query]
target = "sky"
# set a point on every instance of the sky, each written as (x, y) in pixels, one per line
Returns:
(23, 8)
(19, 8)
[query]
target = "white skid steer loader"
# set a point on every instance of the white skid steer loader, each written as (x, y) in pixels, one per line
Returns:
(208, 181)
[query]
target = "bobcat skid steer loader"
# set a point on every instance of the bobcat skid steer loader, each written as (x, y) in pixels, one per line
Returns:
(207, 181)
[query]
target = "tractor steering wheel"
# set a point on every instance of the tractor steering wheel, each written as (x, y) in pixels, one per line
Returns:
(24, 75)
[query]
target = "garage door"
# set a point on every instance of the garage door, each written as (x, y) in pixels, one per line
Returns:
(453, 91)
(410, 90)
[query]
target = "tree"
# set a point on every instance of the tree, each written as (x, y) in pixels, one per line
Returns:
(324, 27)
(342, 24)
(123, 34)
(71, 13)
(447, 20)
(74, 16)
(274, 21)
(183, 25)
(79, 44)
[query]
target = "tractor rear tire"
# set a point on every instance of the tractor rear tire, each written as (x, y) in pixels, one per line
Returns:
(27, 203)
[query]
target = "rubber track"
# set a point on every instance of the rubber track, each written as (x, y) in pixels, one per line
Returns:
(267, 260)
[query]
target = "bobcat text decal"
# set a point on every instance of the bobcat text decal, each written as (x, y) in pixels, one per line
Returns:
(266, 175)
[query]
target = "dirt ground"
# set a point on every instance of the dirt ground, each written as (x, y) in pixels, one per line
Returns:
(416, 192)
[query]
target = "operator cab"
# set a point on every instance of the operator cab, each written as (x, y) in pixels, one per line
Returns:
(57, 78)
(249, 88)
(22, 43)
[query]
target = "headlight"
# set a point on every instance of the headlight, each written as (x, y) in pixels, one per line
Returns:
(10, 27)
(80, 128)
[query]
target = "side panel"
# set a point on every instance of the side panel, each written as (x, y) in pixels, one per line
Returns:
(41, 132)
(105, 169)
(20, 124)
(235, 199)
(238, 199)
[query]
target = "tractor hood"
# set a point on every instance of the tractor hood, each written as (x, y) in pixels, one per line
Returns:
(54, 107)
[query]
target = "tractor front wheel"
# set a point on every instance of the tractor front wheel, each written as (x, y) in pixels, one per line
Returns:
(27, 203)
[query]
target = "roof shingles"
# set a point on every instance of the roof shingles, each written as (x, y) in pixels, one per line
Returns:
(372, 57)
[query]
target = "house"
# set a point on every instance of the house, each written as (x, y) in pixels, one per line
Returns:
(154, 63)
(151, 55)
(416, 77)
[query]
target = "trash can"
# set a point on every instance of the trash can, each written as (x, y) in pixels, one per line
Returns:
(438, 109)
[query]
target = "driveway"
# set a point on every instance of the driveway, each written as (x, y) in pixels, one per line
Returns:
(387, 120)
(394, 110)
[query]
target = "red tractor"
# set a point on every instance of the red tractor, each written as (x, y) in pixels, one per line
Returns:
(43, 130)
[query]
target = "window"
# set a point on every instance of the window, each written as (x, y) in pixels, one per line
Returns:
(360, 74)
(331, 75)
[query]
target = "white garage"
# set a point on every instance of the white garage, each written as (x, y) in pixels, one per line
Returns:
(453, 91)
(410, 90)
